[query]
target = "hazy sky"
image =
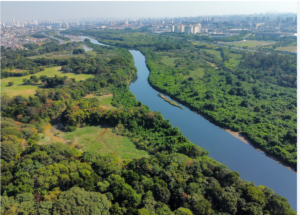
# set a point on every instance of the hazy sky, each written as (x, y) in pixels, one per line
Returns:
(25, 11)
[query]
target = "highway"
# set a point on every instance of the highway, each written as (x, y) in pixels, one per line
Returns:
(61, 42)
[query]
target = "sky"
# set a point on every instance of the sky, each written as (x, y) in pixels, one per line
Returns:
(46, 10)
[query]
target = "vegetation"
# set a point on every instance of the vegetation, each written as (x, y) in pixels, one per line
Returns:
(104, 140)
(16, 59)
(177, 177)
(29, 88)
(78, 51)
(254, 94)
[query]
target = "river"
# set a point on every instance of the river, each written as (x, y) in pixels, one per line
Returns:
(253, 165)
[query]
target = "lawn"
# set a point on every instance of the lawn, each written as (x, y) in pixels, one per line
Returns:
(250, 43)
(25, 90)
(104, 141)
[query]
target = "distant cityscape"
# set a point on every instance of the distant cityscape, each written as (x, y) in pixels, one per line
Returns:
(269, 24)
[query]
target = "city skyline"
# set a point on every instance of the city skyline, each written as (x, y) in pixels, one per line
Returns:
(25, 11)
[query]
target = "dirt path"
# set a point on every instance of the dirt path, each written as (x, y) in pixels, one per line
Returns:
(50, 131)
(105, 130)
(99, 97)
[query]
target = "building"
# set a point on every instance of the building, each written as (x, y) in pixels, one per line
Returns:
(188, 30)
(197, 29)
(179, 28)
(173, 28)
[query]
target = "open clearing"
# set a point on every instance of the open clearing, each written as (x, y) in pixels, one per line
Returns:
(105, 100)
(17, 70)
(235, 59)
(287, 48)
(104, 141)
(25, 90)
(169, 61)
(197, 73)
(215, 52)
(250, 43)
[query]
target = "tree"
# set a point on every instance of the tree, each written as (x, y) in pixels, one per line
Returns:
(161, 193)
(78, 201)
(27, 81)
(34, 79)
(10, 83)
(183, 211)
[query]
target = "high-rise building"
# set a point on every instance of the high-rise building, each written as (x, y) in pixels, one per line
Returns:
(173, 28)
(140, 24)
(126, 22)
(182, 28)
(197, 28)
(188, 30)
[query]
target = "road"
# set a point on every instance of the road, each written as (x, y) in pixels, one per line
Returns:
(61, 42)
(221, 45)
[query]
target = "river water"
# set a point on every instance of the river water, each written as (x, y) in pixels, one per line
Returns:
(253, 165)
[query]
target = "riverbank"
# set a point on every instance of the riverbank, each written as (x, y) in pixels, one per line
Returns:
(253, 143)
(244, 139)
(239, 135)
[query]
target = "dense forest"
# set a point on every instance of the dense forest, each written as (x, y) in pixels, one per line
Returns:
(177, 178)
(254, 93)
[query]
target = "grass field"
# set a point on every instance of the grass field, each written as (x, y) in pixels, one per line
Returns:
(105, 100)
(17, 70)
(250, 43)
(62, 55)
(104, 141)
(203, 44)
(25, 90)
(287, 48)
(168, 61)
(215, 52)
(234, 59)
(197, 73)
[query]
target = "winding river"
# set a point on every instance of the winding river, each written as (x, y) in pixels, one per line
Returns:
(253, 165)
